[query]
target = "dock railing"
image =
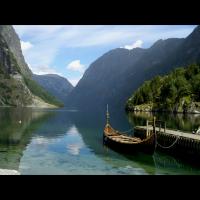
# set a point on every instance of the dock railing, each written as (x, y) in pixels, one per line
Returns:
(155, 123)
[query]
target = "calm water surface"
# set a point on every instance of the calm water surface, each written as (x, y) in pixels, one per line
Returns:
(70, 142)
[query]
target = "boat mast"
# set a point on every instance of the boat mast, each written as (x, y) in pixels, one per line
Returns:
(107, 116)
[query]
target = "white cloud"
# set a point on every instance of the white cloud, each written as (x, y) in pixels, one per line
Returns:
(136, 44)
(103, 37)
(26, 46)
(76, 66)
(51, 40)
(43, 69)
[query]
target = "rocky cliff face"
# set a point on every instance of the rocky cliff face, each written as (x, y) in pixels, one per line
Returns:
(11, 38)
(12, 89)
(13, 71)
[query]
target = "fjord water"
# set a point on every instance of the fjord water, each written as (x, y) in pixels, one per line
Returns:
(39, 141)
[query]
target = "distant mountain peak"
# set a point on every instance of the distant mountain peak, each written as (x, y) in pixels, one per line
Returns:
(195, 33)
(162, 42)
(116, 51)
(55, 84)
(118, 73)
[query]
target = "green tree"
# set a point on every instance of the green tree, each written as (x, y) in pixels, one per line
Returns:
(195, 82)
(170, 91)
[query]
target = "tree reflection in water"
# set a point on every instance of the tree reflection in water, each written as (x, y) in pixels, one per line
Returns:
(16, 135)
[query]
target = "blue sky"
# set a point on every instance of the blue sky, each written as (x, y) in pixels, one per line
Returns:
(68, 50)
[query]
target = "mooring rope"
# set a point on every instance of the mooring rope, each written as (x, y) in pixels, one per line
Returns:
(164, 146)
(156, 140)
(127, 131)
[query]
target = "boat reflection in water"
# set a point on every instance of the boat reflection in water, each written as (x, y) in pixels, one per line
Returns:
(139, 163)
(61, 141)
(92, 136)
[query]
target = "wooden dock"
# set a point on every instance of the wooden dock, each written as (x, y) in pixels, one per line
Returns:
(172, 132)
(174, 142)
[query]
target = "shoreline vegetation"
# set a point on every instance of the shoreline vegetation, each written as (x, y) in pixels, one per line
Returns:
(176, 92)
(150, 108)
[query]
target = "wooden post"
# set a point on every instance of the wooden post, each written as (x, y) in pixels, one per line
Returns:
(147, 123)
(154, 124)
(165, 128)
(159, 127)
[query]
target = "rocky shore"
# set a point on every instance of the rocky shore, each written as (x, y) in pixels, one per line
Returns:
(193, 108)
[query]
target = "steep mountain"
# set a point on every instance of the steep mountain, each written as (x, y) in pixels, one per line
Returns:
(13, 42)
(16, 86)
(102, 81)
(56, 85)
(114, 77)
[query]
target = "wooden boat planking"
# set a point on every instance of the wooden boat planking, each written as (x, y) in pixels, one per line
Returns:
(128, 144)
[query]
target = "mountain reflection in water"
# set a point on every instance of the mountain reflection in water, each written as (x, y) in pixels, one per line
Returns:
(65, 141)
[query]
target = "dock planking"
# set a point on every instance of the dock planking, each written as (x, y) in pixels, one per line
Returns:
(171, 132)
(183, 145)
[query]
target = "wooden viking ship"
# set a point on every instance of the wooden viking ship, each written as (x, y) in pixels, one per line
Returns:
(128, 144)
